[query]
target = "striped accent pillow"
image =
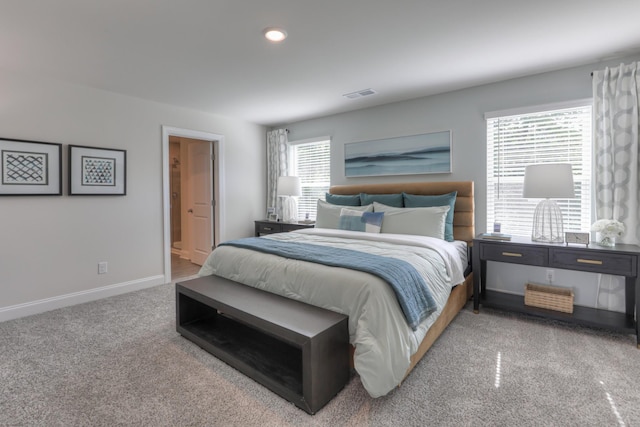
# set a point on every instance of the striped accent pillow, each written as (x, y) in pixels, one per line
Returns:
(370, 222)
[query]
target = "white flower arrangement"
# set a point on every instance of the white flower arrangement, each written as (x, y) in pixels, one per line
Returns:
(608, 227)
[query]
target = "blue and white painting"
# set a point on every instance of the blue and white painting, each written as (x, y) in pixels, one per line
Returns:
(415, 154)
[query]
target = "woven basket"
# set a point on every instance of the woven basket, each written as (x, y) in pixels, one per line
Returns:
(549, 297)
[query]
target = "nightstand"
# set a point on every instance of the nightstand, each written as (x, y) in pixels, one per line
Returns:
(269, 227)
(620, 260)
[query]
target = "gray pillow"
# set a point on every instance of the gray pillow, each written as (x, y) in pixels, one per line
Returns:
(418, 221)
(420, 201)
(328, 215)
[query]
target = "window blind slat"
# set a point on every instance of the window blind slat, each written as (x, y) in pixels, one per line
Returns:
(311, 163)
(513, 142)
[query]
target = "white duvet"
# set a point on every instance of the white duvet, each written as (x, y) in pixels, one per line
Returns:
(378, 330)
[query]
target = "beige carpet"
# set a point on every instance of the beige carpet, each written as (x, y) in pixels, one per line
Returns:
(119, 362)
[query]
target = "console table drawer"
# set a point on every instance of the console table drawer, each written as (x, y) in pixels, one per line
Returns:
(515, 254)
(595, 262)
(269, 228)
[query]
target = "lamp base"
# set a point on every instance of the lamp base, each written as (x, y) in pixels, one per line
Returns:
(289, 209)
(547, 223)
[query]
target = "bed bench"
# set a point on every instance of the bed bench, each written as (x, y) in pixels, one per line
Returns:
(297, 350)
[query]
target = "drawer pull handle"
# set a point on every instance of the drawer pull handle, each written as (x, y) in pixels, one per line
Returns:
(511, 254)
(268, 228)
(589, 261)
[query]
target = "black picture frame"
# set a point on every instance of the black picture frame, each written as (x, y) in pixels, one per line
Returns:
(96, 171)
(30, 168)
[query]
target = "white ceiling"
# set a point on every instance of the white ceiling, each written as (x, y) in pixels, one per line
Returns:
(210, 55)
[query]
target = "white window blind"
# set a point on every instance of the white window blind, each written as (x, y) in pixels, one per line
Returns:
(311, 163)
(561, 135)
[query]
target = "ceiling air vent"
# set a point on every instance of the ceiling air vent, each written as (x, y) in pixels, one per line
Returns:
(360, 93)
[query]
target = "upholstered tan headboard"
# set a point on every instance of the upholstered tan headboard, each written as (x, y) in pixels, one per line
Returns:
(463, 213)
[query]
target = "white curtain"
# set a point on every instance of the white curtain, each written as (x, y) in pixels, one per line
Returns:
(615, 112)
(615, 106)
(277, 165)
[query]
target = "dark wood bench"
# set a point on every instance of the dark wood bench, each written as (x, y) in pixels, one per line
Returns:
(295, 349)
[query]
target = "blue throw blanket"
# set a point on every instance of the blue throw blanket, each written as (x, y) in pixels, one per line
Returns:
(410, 288)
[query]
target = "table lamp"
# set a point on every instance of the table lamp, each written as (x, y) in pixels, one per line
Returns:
(289, 189)
(548, 181)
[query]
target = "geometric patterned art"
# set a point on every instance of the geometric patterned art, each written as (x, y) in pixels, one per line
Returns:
(98, 171)
(24, 168)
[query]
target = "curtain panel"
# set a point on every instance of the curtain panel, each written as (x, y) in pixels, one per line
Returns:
(616, 125)
(277, 165)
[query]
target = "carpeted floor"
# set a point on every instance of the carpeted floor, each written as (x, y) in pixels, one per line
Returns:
(119, 361)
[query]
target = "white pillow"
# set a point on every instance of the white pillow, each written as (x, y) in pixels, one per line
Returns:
(328, 215)
(419, 221)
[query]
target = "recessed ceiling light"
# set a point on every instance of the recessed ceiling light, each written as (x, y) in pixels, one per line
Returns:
(360, 93)
(275, 34)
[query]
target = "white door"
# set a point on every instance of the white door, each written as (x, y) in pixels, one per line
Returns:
(201, 209)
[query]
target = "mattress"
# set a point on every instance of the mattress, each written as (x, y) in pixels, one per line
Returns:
(379, 332)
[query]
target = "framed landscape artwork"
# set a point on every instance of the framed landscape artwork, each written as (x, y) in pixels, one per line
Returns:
(416, 154)
(30, 168)
(97, 171)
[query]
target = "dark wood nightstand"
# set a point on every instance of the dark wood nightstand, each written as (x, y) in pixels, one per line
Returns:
(269, 227)
(620, 260)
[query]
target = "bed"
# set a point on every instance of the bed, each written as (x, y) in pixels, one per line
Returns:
(385, 348)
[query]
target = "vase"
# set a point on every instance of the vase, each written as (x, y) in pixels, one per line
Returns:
(603, 239)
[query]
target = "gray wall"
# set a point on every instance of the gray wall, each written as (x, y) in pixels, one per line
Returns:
(463, 112)
(51, 244)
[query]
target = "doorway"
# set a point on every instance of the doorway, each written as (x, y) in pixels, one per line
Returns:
(175, 184)
(192, 199)
(181, 177)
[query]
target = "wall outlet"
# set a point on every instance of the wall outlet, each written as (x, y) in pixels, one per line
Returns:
(551, 275)
(102, 267)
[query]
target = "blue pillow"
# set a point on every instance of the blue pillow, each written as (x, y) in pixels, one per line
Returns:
(370, 222)
(419, 201)
(343, 200)
(394, 200)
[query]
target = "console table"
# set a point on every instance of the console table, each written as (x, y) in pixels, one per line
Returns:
(620, 260)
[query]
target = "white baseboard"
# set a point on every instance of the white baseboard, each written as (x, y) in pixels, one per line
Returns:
(47, 304)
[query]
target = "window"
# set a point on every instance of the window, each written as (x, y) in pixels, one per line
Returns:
(515, 139)
(311, 162)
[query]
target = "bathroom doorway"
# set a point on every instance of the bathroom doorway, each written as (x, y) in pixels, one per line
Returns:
(175, 184)
(192, 189)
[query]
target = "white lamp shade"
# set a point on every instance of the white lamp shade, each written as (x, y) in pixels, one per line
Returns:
(548, 181)
(289, 186)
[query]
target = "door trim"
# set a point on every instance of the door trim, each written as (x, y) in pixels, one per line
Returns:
(218, 187)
